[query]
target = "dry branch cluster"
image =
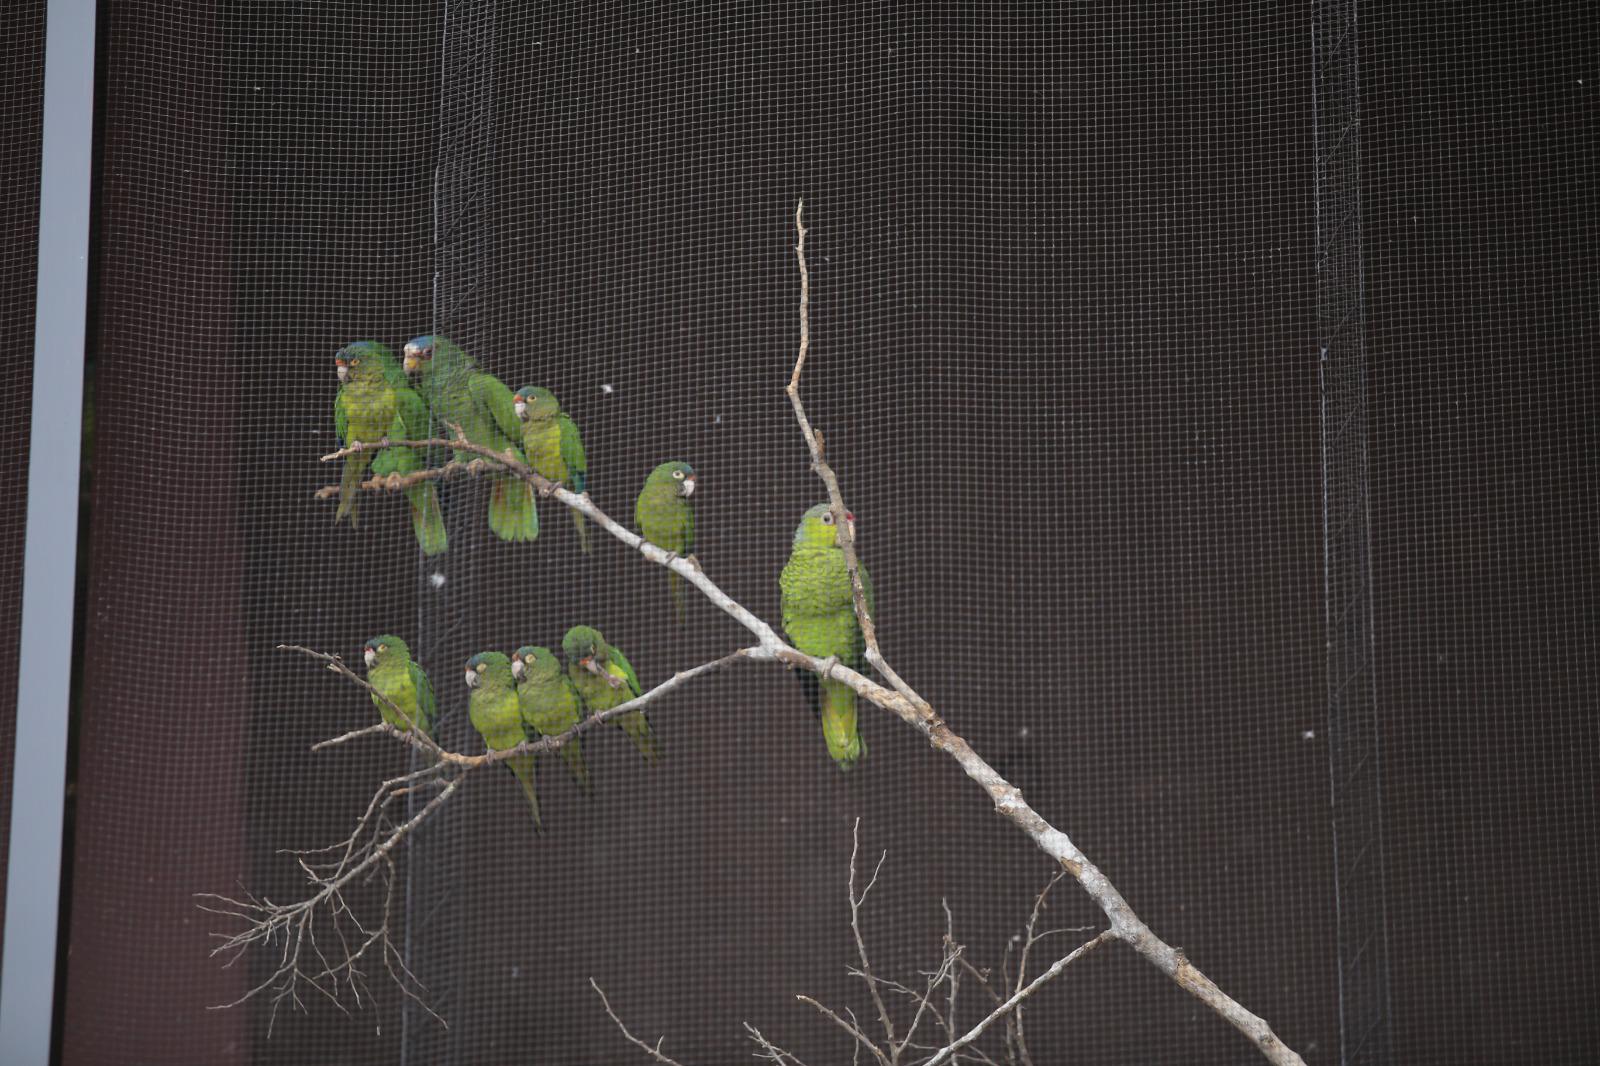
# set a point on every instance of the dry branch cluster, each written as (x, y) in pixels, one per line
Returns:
(290, 929)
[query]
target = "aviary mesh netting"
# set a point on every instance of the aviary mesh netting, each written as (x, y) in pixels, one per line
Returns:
(1215, 399)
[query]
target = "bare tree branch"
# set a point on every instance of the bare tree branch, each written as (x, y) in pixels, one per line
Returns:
(855, 929)
(899, 698)
(903, 701)
(1000, 1012)
(653, 1052)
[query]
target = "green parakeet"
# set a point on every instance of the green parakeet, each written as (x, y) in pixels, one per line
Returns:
(363, 412)
(391, 671)
(492, 706)
(819, 617)
(666, 517)
(605, 679)
(550, 703)
(457, 391)
(553, 446)
(410, 423)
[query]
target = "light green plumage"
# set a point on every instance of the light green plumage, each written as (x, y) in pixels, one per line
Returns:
(411, 423)
(553, 446)
(497, 716)
(550, 703)
(363, 411)
(819, 617)
(457, 392)
(391, 671)
(664, 512)
(605, 679)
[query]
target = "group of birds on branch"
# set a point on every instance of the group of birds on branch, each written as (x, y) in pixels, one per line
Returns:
(529, 695)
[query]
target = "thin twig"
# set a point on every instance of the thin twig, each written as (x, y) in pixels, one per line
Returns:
(1001, 1011)
(853, 1030)
(653, 1052)
(855, 929)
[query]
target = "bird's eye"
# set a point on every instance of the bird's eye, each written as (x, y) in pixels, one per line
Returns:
(480, 668)
(382, 647)
(827, 518)
(678, 474)
(355, 362)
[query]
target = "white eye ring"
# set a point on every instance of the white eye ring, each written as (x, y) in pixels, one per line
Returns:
(678, 474)
(827, 518)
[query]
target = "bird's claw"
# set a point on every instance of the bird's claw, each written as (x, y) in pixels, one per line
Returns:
(693, 561)
(827, 666)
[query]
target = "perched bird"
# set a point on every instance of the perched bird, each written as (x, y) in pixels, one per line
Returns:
(554, 448)
(364, 411)
(492, 706)
(411, 423)
(666, 518)
(402, 682)
(550, 703)
(819, 617)
(458, 392)
(605, 679)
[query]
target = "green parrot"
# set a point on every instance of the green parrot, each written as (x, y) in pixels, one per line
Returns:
(605, 679)
(363, 412)
(819, 617)
(391, 671)
(410, 423)
(550, 703)
(457, 391)
(553, 446)
(492, 706)
(666, 518)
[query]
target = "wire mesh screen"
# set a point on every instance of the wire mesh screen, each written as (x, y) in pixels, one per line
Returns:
(1065, 356)
(1483, 307)
(21, 111)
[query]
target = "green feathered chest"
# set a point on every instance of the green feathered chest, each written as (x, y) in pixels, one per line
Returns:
(369, 409)
(496, 716)
(597, 694)
(542, 442)
(818, 609)
(552, 706)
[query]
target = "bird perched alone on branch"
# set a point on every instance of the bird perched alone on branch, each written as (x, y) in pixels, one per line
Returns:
(819, 617)
(550, 704)
(401, 681)
(554, 448)
(492, 706)
(458, 392)
(605, 679)
(666, 518)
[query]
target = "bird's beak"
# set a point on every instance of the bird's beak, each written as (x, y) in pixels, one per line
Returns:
(688, 486)
(472, 679)
(522, 409)
(593, 667)
(516, 668)
(369, 655)
(411, 360)
(344, 372)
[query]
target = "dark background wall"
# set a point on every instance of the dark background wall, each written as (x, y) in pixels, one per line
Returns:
(1063, 311)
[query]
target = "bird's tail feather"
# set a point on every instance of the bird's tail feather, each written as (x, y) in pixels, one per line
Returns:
(573, 754)
(427, 521)
(637, 726)
(355, 467)
(512, 514)
(583, 530)
(839, 727)
(522, 766)
(675, 586)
